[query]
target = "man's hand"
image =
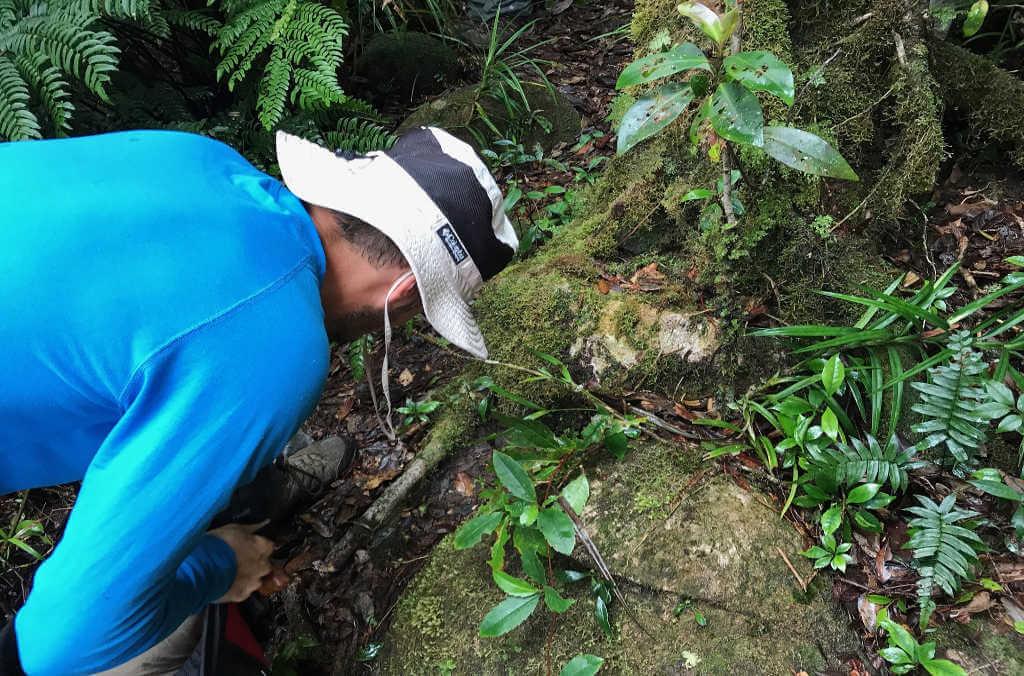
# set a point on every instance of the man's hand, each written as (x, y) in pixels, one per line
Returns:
(252, 553)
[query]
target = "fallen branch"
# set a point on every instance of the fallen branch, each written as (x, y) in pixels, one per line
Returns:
(444, 436)
(799, 580)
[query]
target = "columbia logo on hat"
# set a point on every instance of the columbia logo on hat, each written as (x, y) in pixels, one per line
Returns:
(452, 243)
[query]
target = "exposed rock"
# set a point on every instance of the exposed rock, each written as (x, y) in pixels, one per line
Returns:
(714, 545)
(407, 64)
(456, 112)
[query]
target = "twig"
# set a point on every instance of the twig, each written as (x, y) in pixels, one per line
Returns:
(803, 88)
(598, 560)
(668, 427)
(799, 580)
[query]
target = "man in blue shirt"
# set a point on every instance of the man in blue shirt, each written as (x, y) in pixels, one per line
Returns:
(166, 310)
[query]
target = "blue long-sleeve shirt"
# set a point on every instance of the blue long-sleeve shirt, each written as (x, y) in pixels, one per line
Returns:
(161, 338)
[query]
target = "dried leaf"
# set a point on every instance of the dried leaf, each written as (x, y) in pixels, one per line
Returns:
(406, 377)
(868, 612)
(603, 287)
(463, 484)
(981, 602)
(345, 408)
(882, 557)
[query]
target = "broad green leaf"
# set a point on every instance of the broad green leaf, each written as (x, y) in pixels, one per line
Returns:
(990, 584)
(806, 152)
(862, 493)
(998, 489)
(736, 114)
(557, 529)
(697, 194)
(867, 521)
(656, 66)
(762, 72)
(652, 113)
(601, 615)
(513, 586)
(554, 601)
(617, 444)
(1010, 423)
(497, 560)
(508, 615)
(471, 532)
(832, 374)
(582, 665)
(576, 493)
(830, 424)
(899, 635)
(975, 17)
(513, 477)
(529, 515)
(530, 544)
(943, 668)
(831, 519)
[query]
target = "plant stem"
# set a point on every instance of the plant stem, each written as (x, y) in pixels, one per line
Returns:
(727, 163)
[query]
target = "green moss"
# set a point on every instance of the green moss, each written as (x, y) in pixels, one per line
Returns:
(991, 98)
(622, 102)
(661, 553)
(406, 64)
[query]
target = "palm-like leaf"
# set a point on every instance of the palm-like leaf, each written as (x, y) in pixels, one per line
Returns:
(944, 552)
(952, 402)
(849, 465)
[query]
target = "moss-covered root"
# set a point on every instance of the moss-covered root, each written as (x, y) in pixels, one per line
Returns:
(991, 98)
(451, 428)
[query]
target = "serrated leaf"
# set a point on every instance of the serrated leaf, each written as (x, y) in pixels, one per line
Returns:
(684, 57)
(471, 532)
(508, 615)
(513, 477)
(652, 113)
(806, 152)
(762, 72)
(736, 114)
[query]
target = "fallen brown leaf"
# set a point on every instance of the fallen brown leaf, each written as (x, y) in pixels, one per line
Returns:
(868, 612)
(406, 377)
(981, 602)
(463, 484)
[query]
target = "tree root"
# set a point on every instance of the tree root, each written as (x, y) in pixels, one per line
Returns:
(448, 431)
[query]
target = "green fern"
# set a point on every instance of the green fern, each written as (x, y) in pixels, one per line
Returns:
(944, 552)
(864, 463)
(40, 44)
(300, 42)
(952, 401)
(358, 136)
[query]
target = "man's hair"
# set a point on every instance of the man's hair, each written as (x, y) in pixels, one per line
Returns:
(373, 244)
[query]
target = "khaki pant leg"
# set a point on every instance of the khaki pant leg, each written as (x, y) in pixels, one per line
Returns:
(167, 656)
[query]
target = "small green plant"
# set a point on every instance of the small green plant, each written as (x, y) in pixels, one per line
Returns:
(417, 411)
(21, 532)
(725, 88)
(905, 654)
(287, 659)
(528, 509)
(831, 553)
(945, 548)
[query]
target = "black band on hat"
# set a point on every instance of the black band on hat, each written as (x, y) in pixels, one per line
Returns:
(455, 189)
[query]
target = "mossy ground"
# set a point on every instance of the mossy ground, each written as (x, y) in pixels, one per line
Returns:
(708, 548)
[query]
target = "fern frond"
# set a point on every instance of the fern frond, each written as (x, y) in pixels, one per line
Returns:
(944, 552)
(49, 87)
(358, 136)
(951, 402)
(16, 120)
(118, 9)
(274, 89)
(304, 39)
(192, 20)
(865, 463)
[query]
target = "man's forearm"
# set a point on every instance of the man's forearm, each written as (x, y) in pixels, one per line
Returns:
(10, 663)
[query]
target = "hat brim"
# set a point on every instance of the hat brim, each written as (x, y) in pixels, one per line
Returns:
(376, 190)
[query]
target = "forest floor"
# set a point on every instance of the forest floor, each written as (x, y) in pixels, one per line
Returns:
(973, 219)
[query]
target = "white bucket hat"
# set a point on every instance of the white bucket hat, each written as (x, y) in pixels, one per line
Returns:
(434, 198)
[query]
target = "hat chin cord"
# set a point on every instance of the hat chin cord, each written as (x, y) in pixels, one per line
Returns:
(385, 423)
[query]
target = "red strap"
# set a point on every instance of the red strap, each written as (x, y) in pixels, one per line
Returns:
(237, 631)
